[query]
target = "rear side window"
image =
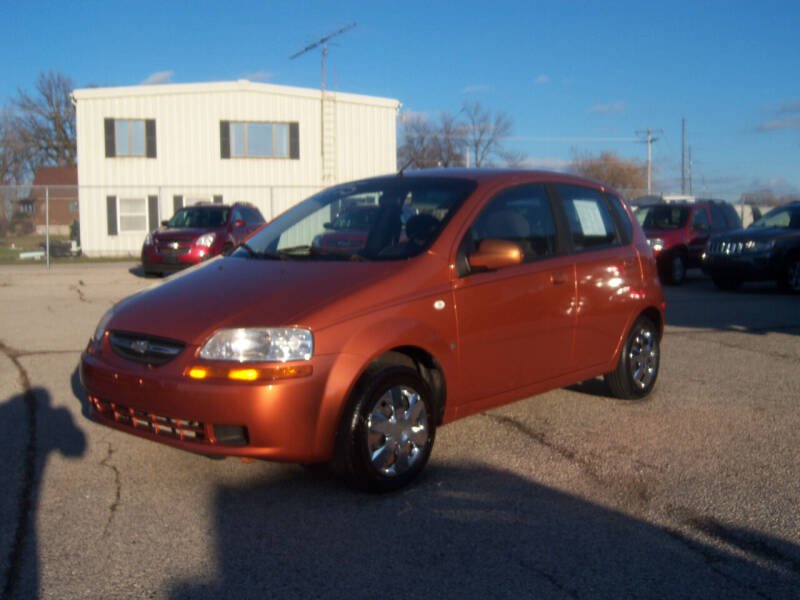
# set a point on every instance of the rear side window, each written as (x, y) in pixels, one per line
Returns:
(700, 219)
(590, 222)
(718, 221)
(521, 215)
(252, 216)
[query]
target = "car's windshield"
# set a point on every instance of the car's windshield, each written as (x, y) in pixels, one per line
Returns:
(361, 217)
(662, 216)
(199, 217)
(383, 219)
(787, 217)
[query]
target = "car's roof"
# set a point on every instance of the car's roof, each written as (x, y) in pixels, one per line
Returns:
(489, 175)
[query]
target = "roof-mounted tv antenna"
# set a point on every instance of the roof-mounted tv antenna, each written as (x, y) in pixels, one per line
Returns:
(324, 43)
(327, 140)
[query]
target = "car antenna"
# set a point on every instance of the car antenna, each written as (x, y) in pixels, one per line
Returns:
(405, 166)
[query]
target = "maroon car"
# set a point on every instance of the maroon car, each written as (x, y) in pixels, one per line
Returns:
(678, 233)
(349, 229)
(196, 233)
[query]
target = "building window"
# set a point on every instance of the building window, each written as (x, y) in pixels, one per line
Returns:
(132, 214)
(241, 139)
(130, 137)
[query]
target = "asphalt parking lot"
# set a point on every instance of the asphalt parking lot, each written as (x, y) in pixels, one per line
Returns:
(570, 494)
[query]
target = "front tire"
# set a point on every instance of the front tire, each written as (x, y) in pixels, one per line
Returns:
(387, 432)
(676, 269)
(637, 368)
(791, 278)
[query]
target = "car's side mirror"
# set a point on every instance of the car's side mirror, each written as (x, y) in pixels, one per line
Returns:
(327, 225)
(495, 254)
(165, 222)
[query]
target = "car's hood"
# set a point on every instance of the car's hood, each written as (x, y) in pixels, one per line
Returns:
(662, 233)
(755, 234)
(241, 292)
(182, 232)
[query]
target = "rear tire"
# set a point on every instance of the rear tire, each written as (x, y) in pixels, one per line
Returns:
(387, 431)
(637, 368)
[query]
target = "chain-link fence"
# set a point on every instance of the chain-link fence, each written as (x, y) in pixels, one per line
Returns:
(40, 223)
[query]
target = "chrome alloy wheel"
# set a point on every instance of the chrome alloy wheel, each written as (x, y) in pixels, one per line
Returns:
(397, 431)
(643, 357)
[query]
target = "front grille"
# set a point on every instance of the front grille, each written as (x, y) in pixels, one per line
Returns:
(179, 429)
(144, 348)
(169, 251)
(171, 427)
(724, 248)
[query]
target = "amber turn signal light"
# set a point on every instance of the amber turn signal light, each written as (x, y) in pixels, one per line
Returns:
(249, 373)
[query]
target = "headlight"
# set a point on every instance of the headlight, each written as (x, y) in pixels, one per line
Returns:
(262, 344)
(206, 240)
(100, 330)
(148, 239)
(755, 246)
(657, 244)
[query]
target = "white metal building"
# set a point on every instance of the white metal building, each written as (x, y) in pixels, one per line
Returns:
(144, 151)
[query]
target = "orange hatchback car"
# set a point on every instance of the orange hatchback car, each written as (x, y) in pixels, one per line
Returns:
(471, 289)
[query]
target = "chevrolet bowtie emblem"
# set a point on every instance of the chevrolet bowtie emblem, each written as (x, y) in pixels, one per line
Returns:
(140, 346)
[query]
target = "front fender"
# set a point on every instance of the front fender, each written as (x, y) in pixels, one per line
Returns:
(362, 342)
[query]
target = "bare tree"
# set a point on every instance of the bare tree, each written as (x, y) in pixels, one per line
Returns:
(431, 144)
(449, 140)
(486, 133)
(13, 156)
(45, 122)
(610, 169)
(416, 150)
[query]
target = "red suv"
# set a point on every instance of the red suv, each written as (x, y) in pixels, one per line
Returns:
(678, 233)
(196, 233)
(474, 288)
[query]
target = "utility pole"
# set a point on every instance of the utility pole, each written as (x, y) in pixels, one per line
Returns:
(691, 188)
(683, 156)
(650, 140)
(328, 165)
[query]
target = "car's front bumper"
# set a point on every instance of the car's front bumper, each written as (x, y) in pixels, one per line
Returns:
(275, 419)
(154, 261)
(743, 267)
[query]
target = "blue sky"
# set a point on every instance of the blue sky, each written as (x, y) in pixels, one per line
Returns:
(572, 74)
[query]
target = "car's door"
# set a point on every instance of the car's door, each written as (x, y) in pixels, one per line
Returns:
(515, 324)
(699, 232)
(607, 271)
(239, 227)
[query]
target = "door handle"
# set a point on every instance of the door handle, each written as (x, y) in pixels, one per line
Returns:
(558, 278)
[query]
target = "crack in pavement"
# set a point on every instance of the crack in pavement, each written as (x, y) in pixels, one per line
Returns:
(118, 487)
(26, 497)
(76, 289)
(700, 524)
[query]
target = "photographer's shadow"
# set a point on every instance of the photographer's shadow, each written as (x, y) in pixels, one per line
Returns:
(467, 532)
(31, 430)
